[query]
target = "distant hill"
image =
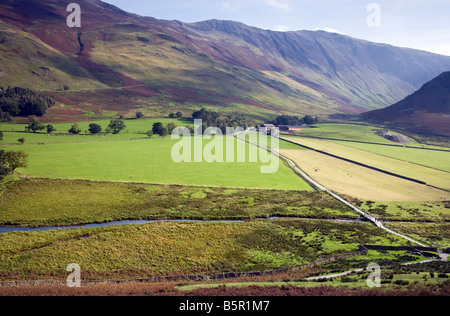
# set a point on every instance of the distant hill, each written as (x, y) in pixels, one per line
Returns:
(118, 62)
(425, 111)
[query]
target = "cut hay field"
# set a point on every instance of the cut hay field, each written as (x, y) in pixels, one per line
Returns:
(437, 178)
(360, 182)
(432, 159)
(355, 136)
(45, 202)
(180, 248)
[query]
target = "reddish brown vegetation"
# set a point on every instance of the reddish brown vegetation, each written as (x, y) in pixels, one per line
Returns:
(320, 291)
(169, 289)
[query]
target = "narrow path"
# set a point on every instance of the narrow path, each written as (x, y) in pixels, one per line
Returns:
(320, 187)
(332, 276)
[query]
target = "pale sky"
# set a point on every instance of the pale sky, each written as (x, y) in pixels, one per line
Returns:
(420, 24)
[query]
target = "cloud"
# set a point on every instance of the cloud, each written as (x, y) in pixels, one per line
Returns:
(281, 28)
(279, 5)
(231, 7)
(444, 49)
(327, 29)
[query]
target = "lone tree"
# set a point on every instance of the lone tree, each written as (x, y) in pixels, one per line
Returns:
(94, 128)
(34, 125)
(1, 135)
(158, 128)
(21, 140)
(139, 115)
(171, 127)
(4, 170)
(164, 132)
(75, 129)
(11, 160)
(117, 125)
(179, 114)
(50, 129)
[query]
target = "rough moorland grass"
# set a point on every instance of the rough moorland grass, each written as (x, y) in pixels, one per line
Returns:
(431, 233)
(178, 248)
(151, 161)
(44, 202)
(438, 211)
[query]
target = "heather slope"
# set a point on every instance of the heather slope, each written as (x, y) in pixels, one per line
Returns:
(426, 111)
(220, 64)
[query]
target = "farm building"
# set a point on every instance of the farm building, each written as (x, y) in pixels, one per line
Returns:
(288, 129)
(265, 128)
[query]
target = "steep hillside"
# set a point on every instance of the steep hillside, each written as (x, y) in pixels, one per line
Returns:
(117, 62)
(425, 111)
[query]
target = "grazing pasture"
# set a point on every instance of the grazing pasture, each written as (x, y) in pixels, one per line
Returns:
(150, 161)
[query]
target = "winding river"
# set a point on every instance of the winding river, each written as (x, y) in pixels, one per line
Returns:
(14, 229)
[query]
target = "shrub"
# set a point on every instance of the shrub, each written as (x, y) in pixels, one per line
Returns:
(401, 282)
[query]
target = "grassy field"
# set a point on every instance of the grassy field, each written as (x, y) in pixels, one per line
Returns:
(150, 161)
(44, 202)
(431, 176)
(88, 179)
(360, 182)
(361, 133)
(180, 248)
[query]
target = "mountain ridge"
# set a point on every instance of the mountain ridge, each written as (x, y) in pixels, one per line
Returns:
(213, 63)
(425, 111)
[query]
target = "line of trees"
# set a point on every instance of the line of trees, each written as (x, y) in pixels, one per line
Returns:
(22, 102)
(115, 126)
(295, 120)
(214, 119)
(161, 130)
